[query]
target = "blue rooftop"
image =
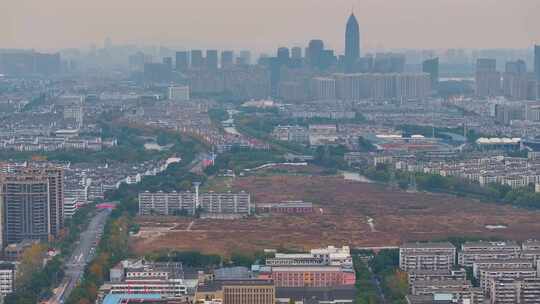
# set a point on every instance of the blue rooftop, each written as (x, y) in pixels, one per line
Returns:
(116, 298)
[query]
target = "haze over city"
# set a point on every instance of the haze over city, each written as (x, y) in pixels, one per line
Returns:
(261, 25)
(270, 152)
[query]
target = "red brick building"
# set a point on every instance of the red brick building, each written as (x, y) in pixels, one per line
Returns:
(288, 207)
(311, 276)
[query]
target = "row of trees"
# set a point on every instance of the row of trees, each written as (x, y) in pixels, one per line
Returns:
(207, 261)
(522, 197)
(112, 248)
(366, 288)
(380, 280)
(394, 282)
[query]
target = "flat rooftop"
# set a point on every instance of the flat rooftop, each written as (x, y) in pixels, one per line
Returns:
(427, 245)
(490, 244)
(218, 284)
(118, 298)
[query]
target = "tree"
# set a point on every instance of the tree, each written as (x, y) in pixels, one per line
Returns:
(31, 262)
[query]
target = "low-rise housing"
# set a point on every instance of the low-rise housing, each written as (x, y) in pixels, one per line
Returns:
(251, 291)
(482, 250)
(427, 256)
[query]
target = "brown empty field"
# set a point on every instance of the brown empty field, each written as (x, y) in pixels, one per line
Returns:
(346, 207)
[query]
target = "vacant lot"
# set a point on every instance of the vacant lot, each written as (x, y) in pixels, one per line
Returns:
(354, 213)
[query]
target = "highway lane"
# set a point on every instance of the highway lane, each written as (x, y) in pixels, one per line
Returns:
(83, 254)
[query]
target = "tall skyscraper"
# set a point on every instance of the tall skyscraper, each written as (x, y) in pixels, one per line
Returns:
(487, 78)
(244, 58)
(296, 53)
(182, 61)
(431, 66)
(197, 60)
(157, 72)
(515, 80)
(275, 74)
(516, 67)
(537, 62)
(212, 59)
(352, 43)
(486, 65)
(31, 200)
(227, 59)
(315, 52)
(283, 55)
(327, 59)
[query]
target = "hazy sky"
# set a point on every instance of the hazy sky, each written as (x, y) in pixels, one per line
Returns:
(267, 24)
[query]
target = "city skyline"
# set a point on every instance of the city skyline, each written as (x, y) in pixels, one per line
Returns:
(192, 24)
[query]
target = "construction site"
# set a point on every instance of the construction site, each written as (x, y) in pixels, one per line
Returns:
(349, 212)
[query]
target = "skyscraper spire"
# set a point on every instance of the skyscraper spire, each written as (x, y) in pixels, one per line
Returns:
(352, 42)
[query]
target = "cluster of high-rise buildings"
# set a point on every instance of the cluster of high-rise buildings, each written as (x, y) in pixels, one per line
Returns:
(25, 63)
(296, 74)
(504, 272)
(515, 83)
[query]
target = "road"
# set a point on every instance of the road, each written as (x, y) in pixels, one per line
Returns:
(377, 281)
(82, 254)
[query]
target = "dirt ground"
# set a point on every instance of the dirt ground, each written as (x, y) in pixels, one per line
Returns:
(344, 210)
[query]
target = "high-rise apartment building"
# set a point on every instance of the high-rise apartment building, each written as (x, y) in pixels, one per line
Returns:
(244, 58)
(323, 88)
(431, 66)
(182, 61)
(197, 59)
(487, 78)
(537, 62)
(296, 53)
(412, 86)
(227, 59)
(212, 59)
(29, 62)
(315, 53)
(292, 91)
(31, 201)
(516, 80)
(377, 86)
(157, 72)
(283, 55)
